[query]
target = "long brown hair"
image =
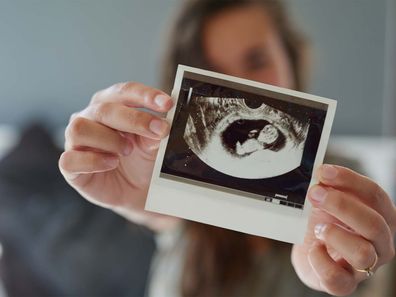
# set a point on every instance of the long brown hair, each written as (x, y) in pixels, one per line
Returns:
(216, 258)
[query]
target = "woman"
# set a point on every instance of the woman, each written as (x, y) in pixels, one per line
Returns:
(111, 147)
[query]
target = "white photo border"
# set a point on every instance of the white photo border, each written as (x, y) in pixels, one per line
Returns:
(228, 209)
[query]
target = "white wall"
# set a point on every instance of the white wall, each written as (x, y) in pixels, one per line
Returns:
(348, 38)
(389, 107)
(55, 53)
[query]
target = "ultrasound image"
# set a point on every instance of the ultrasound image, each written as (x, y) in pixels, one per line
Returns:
(230, 138)
(244, 138)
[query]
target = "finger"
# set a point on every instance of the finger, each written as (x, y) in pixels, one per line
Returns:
(364, 188)
(129, 120)
(147, 145)
(136, 95)
(355, 214)
(74, 163)
(356, 250)
(82, 132)
(333, 278)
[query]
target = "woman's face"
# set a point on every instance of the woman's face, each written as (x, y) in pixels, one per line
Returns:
(243, 42)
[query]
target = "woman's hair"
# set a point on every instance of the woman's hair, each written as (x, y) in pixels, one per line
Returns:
(217, 259)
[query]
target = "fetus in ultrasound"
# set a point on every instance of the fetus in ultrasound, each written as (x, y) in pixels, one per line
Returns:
(245, 137)
(242, 139)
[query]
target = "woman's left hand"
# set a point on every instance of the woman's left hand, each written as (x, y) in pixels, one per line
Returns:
(352, 226)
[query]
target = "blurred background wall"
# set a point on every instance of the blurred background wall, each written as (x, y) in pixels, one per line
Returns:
(55, 54)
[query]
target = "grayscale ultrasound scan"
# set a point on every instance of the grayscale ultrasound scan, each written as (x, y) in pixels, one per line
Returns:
(234, 135)
(230, 136)
(240, 154)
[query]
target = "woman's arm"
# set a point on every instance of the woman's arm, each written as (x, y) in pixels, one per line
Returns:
(111, 147)
(351, 228)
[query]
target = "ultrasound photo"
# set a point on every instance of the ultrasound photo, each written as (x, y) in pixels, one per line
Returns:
(240, 154)
(241, 138)
(254, 142)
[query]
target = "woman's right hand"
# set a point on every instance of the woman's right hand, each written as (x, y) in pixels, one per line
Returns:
(111, 147)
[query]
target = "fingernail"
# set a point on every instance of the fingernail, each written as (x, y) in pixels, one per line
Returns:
(161, 100)
(318, 194)
(127, 149)
(318, 230)
(158, 126)
(111, 162)
(328, 172)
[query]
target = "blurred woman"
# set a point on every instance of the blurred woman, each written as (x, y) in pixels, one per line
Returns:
(111, 147)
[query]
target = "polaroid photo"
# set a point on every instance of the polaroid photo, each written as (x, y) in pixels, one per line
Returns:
(240, 154)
